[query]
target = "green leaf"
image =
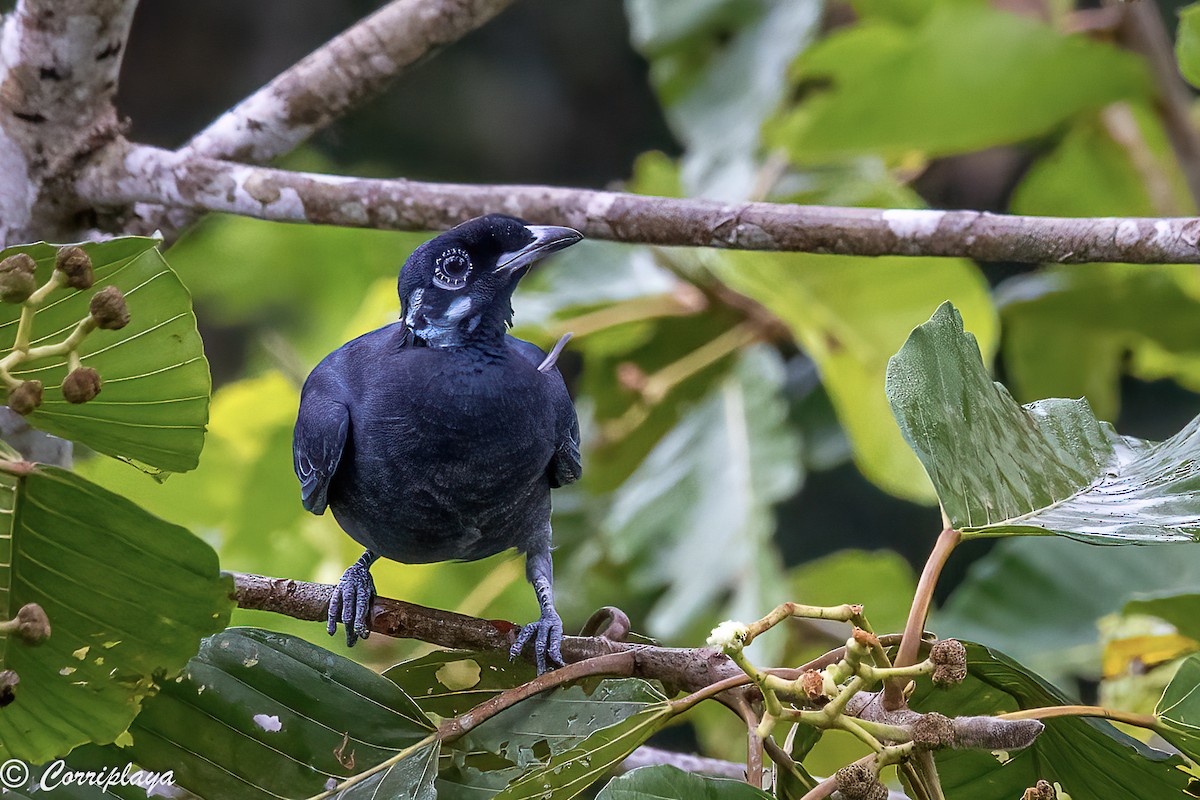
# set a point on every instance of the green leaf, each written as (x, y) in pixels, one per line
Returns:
(671, 783)
(1047, 468)
(1086, 757)
(965, 78)
(850, 315)
(720, 70)
(696, 518)
(527, 735)
(264, 715)
(412, 778)
(450, 682)
(128, 597)
(1187, 43)
(570, 772)
(154, 403)
(1178, 711)
(1040, 600)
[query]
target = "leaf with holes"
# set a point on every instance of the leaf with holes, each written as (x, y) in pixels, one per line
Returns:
(570, 772)
(260, 715)
(1001, 469)
(153, 405)
(128, 597)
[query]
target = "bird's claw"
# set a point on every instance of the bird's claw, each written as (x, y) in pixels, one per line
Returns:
(350, 603)
(546, 635)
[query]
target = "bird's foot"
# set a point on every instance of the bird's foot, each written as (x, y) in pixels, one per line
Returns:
(350, 603)
(546, 635)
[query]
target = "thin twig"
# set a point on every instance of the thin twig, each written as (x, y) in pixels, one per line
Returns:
(1148, 721)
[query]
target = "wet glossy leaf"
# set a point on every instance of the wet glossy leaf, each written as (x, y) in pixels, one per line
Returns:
(1086, 757)
(671, 783)
(153, 406)
(128, 597)
(1047, 468)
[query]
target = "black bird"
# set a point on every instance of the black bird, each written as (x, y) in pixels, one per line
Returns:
(439, 437)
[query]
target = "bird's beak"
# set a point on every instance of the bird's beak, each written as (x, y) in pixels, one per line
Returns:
(547, 239)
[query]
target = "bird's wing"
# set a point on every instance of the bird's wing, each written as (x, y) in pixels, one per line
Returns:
(321, 429)
(566, 466)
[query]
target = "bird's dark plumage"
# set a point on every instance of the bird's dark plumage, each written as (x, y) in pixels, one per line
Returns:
(438, 437)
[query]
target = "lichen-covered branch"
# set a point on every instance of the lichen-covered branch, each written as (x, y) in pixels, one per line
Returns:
(136, 173)
(58, 75)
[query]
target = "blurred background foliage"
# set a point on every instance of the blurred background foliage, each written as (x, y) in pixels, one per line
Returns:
(738, 446)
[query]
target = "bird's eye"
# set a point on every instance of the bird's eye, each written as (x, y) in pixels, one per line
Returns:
(451, 269)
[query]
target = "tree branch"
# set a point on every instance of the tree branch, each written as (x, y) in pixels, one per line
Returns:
(58, 76)
(347, 70)
(137, 173)
(681, 669)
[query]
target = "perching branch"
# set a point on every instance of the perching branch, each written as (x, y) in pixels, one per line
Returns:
(137, 173)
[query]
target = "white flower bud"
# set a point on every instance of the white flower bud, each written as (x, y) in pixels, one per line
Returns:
(729, 636)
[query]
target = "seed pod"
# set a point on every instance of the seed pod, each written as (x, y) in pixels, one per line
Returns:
(8, 683)
(949, 659)
(26, 397)
(76, 264)
(109, 309)
(33, 626)
(17, 279)
(81, 385)
(858, 782)
(813, 684)
(933, 731)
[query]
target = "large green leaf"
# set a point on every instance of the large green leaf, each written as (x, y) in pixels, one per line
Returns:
(128, 597)
(570, 772)
(966, 77)
(1040, 600)
(527, 735)
(412, 778)
(1086, 757)
(851, 315)
(1178, 711)
(671, 783)
(264, 715)
(695, 520)
(720, 70)
(1047, 468)
(154, 403)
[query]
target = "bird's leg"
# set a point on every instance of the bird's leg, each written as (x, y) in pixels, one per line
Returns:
(350, 603)
(547, 632)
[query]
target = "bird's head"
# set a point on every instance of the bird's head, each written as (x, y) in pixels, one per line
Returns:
(458, 286)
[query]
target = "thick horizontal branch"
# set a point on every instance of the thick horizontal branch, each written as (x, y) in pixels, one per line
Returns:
(683, 669)
(341, 74)
(134, 173)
